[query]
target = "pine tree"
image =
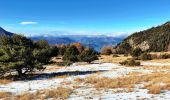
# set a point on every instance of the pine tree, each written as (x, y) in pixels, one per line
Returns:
(88, 55)
(17, 53)
(71, 54)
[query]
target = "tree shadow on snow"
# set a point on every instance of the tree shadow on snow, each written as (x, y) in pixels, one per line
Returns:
(44, 76)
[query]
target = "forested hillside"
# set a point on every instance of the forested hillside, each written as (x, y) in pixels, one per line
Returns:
(154, 39)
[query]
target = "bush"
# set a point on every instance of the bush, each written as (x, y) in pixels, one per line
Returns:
(88, 55)
(131, 62)
(136, 52)
(61, 49)
(145, 56)
(79, 46)
(165, 56)
(74, 54)
(71, 54)
(107, 50)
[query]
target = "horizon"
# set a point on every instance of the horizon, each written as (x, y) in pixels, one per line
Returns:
(98, 17)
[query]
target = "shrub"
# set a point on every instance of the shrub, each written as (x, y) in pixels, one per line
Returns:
(61, 49)
(107, 50)
(154, 89)
(88, 55)
(136, 52)
(145, 56)
(165, 56)
(78, 46)
(130, 62)
(71, 54)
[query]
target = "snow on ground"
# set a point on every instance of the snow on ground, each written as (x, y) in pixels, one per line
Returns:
(140, 94)
(85, 92)
(105, 69)
(41, 83)
(90, 93)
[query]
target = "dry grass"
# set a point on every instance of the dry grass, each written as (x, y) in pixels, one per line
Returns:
(129, 81)
(4, 94)
(61, 93)
(157, 57)
(157, 68)
(5, 81)
(160, 60)
(154, 88)
(109, 83)
(111, 59)
(121, 58)
(135, 73)
(27, 96)
(78, 79)
(159, 53)
(167, 86)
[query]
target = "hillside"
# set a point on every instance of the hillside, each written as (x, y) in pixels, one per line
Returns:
(155, 39)
(2, 32)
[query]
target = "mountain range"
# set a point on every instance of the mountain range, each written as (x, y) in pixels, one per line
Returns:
(155, 39)
(94, 41)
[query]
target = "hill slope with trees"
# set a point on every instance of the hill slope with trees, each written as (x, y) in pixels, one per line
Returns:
(155, 39)
(4, 32)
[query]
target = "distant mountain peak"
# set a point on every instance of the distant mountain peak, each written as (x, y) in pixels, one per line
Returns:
(1, 29)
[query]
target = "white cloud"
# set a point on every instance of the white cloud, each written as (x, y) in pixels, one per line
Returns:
(28, 23)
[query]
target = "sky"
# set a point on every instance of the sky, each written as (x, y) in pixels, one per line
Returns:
(90, 17)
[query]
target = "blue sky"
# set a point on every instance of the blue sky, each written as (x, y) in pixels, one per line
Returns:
(117, 17)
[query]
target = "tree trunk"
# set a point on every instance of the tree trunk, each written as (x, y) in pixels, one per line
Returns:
(20, 72)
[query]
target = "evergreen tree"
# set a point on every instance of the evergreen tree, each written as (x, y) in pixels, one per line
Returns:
(17, 53)
(88, 55)
(54, 51)
(71, 54)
